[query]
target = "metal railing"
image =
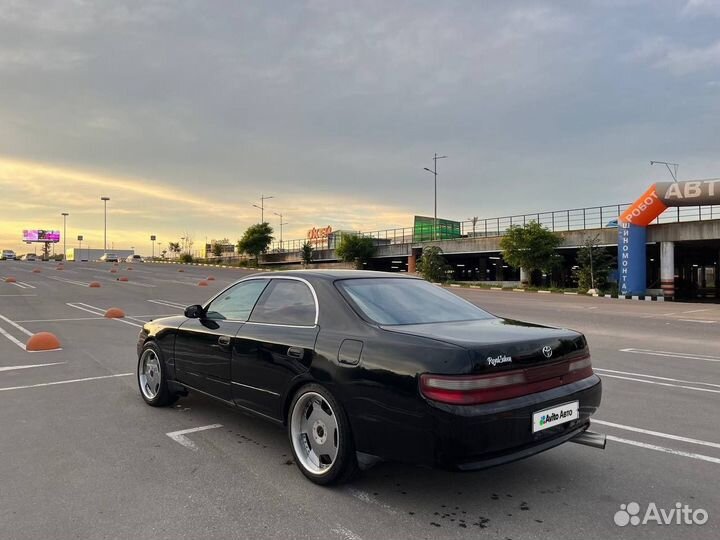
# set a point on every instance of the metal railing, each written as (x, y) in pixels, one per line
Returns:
(575, 219)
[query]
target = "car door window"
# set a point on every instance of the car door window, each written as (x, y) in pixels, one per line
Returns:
(237, 302)
(286, 301)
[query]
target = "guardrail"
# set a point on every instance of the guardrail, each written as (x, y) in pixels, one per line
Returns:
(576, 219)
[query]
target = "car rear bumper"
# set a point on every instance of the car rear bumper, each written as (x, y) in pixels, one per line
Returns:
(481, 436)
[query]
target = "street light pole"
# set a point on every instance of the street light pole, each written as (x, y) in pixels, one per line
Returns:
(281, 227)
(105, 201)
(263, 198)
(434, 173)
(64, 215)
(673, 170)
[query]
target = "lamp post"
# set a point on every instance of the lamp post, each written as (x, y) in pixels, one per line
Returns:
(434, 173)
(281, 227)
(64, 215)
(263, 198)
(673, 170)
(105, 201)
(80, 239)
(152, 239)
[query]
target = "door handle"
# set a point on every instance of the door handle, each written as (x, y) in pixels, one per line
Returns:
(295, 352)
(224, 341)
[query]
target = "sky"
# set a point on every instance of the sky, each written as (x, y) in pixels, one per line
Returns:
(185, 112)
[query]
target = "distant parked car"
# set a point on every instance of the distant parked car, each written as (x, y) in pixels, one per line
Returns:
(135, 259)
(109, 257)
(31, 257)
(612, 224)
(7, 255)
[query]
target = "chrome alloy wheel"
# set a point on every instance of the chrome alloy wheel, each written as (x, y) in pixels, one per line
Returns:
(149, 374)
(315, 435)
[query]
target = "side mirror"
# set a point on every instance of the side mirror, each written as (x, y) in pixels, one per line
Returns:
(194, 312)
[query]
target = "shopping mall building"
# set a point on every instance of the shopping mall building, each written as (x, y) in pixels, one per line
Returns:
(669, 243)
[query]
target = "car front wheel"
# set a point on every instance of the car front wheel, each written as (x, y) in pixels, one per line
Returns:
(151, 377)
(320, 436)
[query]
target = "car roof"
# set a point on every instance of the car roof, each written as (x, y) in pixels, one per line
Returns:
(332, 275)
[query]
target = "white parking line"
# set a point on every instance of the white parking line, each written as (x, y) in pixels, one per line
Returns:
(65, 382)
(5, 333)
(179, 436)
(369, 499)
(16, 325)
(98, 311)
(689, 356)
(605, 375)
(71, 281)
(62, 320)
(24, 285)
(168, 303)
(654, 377)
(697, 321)
(657, 433)
(13, 368)
(345, 533)
(691, 455)
(18, 295)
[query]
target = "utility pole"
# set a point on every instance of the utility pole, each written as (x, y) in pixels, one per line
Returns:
(152, 239)
(281, 227)
(64, 215)
(673, 170)
(263, 198)
(435, 174)
(105, 201)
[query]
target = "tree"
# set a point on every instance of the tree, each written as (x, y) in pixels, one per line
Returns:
(306, 252)
(531, 247)
(174, 247)
(432, 265)
(594, 265)
(356, 248)
(217, 249)
(256, 240)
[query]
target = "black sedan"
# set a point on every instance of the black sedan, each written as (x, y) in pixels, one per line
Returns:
(362, 366)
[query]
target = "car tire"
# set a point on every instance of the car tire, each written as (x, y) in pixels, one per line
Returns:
(151, 377)
(320, 436)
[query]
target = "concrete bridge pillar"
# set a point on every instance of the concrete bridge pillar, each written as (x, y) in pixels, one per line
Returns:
(667, 268)
(412, 263)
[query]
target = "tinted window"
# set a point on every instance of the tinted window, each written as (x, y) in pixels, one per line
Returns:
(286, 301)
(237, 302)
(408, 301)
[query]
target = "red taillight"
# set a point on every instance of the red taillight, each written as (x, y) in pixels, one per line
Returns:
(475, 389)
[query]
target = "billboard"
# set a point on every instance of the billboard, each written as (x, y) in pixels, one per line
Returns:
(41, 235)
(424, 229)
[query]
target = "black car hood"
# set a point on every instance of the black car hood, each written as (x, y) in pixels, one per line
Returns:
(491, 342)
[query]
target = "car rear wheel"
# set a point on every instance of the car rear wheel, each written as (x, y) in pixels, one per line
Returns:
(320, 436)
(151, 377)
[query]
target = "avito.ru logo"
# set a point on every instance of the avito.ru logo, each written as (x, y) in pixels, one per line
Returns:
(682, 514)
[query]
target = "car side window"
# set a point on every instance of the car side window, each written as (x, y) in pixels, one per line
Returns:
(237, 302)
(285, 301)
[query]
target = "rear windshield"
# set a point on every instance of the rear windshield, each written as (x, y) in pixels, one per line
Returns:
(392, 301)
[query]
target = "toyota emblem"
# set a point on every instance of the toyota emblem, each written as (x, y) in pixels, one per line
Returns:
(547, 351)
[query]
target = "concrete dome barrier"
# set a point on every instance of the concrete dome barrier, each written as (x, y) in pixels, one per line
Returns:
(202, 283)
(42, 341)
(114, 313)
(94, 285)
(210, 278)
(36, 270)
(180, 270)
(123, 278)
(10, 279)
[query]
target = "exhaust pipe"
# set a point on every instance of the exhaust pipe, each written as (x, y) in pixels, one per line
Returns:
(592, 439)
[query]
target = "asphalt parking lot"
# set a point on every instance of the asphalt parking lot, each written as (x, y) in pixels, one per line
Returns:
(84, 457)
